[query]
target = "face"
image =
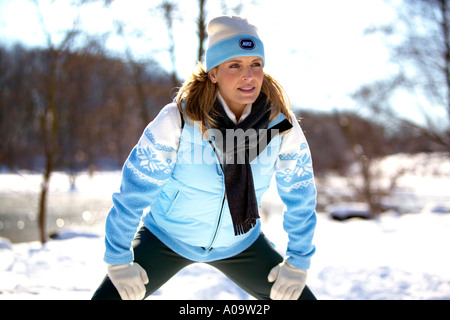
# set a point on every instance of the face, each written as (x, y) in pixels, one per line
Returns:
(239, 81)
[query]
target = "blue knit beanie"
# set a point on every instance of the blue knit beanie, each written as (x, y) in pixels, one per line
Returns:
(230, 37)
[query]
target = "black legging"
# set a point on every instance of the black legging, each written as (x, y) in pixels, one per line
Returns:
(248, 269)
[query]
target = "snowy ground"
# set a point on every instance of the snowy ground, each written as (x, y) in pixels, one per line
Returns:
(394, 257)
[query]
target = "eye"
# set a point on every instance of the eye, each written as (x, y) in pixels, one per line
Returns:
(234, 66)
(257, 63)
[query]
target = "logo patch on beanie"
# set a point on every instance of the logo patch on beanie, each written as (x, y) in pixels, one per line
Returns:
(247, 44)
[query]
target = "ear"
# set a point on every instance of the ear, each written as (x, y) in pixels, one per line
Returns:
(213, 75)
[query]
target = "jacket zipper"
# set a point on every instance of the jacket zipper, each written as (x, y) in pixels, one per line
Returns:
(209, 248)
(217, 227)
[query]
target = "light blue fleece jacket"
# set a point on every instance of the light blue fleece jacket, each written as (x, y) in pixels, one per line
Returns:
(173, 182)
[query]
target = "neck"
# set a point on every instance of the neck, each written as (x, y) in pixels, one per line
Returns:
(236, 109)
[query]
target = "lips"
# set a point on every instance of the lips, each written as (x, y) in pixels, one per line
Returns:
(247, 89)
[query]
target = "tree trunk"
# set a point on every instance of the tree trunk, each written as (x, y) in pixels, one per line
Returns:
(49, 128)
(201, 24)
(42, 219)
(446, 35)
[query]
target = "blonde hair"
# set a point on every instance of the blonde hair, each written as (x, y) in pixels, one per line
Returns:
(198, 95)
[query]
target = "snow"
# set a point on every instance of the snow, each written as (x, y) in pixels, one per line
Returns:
(392, 258)
(397, 256)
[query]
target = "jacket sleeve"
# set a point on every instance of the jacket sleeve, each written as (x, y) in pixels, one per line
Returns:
(144, 174)
(295, 184)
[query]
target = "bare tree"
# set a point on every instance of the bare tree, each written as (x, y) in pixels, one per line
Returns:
(419, 41)
(366, 144)
(137, 69)
(49, 115)
(169, 9)
(201, 28)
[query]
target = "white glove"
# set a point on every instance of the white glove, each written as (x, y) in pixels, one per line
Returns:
(129, 280)
(289, 283)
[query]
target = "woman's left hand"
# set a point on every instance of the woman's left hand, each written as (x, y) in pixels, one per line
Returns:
(289, 282)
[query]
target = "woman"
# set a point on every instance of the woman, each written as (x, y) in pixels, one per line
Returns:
(199, 171)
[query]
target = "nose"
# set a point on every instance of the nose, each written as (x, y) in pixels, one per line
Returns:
(247, 73)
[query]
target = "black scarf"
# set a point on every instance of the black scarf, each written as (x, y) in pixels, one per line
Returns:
(237, 155)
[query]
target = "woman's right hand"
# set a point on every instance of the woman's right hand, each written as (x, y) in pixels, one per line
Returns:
(129, 280)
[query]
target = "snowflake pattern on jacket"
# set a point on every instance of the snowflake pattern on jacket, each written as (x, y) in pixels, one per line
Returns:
(303, 170)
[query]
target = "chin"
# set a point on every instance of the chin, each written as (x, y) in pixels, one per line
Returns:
(249, 99)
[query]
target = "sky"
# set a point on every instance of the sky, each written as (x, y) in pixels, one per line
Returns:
(316, 49)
